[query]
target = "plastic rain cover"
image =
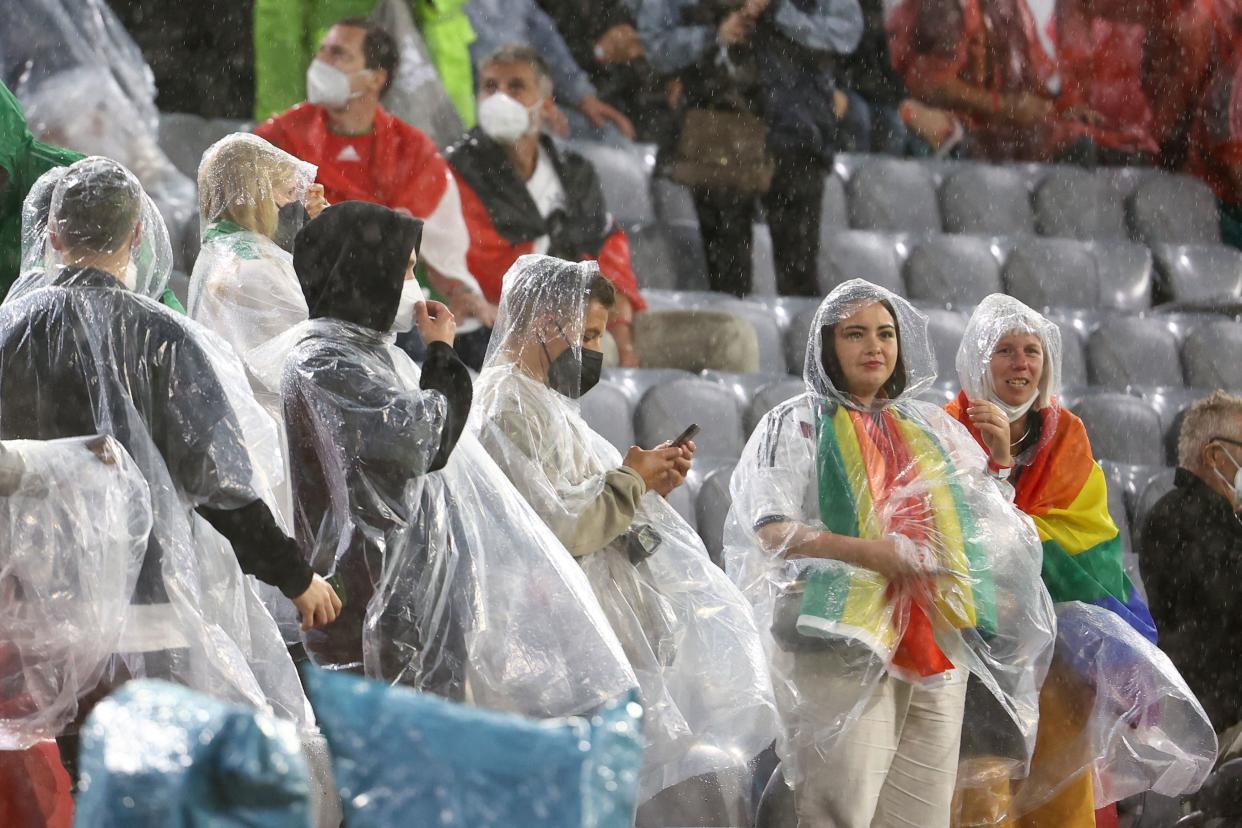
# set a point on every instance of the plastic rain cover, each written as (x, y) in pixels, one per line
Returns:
(74, 514)
(452, 584)
(149, 268)
(899, 469)
(405, 758)
(417, 95)
(686, 630)
(155, 754)
(84, 356)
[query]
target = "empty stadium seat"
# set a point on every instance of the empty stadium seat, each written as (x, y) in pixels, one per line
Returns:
(770, 396)
(1124, 272)
(952, 271)
(1155, 488)
(858, 254)
(945, 329)
(623, 175)
(743, 386)
(1199, 273)
(1122, 428)
(785, 308)
(1173, 209)
(1073, 357)
(796, 338)
(711, 509)
(608, 409)
(718, 337)
(682, 501)
(893, 196)
(1074, 203)
(986, 200)
(673, 202)
(1212, 355)
(652, 258)
(1172, 404)
(835, 213)
(183, 137)
(1052, 272)
(762, 262)
(1133, 352)
(668, 408)
(636, 382)
(939, 395)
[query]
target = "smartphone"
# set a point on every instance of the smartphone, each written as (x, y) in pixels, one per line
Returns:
(686, 436)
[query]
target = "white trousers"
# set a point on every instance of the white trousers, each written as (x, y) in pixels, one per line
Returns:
(894, 767)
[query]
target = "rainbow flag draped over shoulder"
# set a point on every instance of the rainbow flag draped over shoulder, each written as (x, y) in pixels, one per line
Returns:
(886, 473)
(1064, 491)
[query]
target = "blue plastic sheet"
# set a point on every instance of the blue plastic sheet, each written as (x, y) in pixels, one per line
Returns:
(407, 758)
(158, 754)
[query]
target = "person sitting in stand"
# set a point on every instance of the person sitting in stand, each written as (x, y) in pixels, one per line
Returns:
(365, 154)
(521, 194)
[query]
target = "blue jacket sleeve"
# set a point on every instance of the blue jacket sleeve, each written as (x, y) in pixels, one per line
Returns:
(826, 26)
(671, 47)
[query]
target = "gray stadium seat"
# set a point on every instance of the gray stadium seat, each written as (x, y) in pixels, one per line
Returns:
(673, 202)
(1117, 511)
(858, 254)
(1133, 352)
(952, 271)
(894, 196)
(711, 508)
(1174, 209)
(1073, 357)
(767, 333)
(1172, 404)
(183, 137)
(785, 308)
(652, 258)
(1199, 273)
(690, 262)
(988, 201)
(1125, 275)
(796, 338)
(609, 410)
(1131, 480)
(667, 409)
(743, 386)
(1212, 355)
(1156, 488)
(1052, 272)
(1183, 323)
(179, 283)
(1074, 203)
(623, 175)
(945, 329)
(770, 396)
(836, 211)
(682, 501)
(939, 395)
(762, 261)
(1125, 180)
(845, 164)
(636, 382)
(1122, 428)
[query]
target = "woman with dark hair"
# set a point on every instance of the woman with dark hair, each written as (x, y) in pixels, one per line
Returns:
(886, 566)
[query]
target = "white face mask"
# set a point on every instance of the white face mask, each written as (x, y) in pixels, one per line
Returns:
(328, 86)
(130, 277)
(411, 294)
(505, 120)
(1235, 485)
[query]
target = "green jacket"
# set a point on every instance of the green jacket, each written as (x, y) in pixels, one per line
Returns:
(23, 160)
(287, 35)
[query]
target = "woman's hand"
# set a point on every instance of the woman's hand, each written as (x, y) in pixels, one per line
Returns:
(318, 605)
(898, 559)
(993, 428)
(315, 201)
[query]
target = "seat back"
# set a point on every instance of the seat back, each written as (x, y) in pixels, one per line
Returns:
(1129, 352)
(1212, 355)
(1122, 428)
(1052, 272)
(987, 201)
(859, 254)
(893, 196)
(1074, 203)
(1174, 209)
(953, 271)
(667, 409)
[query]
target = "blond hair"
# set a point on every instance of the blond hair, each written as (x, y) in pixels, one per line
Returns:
(1217, 415)
(236, 182)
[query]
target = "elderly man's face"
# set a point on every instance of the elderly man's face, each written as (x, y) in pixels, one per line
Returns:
(517, 80)
(1223, 456)
(342, 48)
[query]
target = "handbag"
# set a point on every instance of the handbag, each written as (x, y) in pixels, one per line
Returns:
(727, 151)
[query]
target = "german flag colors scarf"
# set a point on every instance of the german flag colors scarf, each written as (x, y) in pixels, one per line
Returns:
(886, 473)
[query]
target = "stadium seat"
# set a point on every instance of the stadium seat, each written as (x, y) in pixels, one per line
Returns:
(1212, 355)
(743, 386)
(894, 196)
(673, 202)
(858, 254)
(1074, 203)
(1125, 275)
(719, 338)
(1199, 273)
(1172, 404)
(1134, 352)
(939, 395)
(952, 271)
(682, 501)
(668, 408)
(711, 508)
(1122, 428)
(626, 183)
(1173, 209)
(183, 137)
(1155, 488)
(785, 308)
(636, 382)
(945, 329)
(762, 262)
(1052, 272)
(651, 256)
(835, 214)
(796, 338)
(988, 201)
(1125, 180)
(608, 409)
(179, 283)
(1073, 357)
(770, 396)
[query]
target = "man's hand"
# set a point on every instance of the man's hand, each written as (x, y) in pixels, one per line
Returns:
(653, 466)
(620, 44)
(735, 29)
(600, 113)
(318, 605)
(315, 201)
(471, 305)
(555, 120)
(993, 427)
(1026, 109)
(681, 467)
(435, 322)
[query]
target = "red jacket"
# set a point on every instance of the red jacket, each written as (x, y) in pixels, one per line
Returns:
(406, 170)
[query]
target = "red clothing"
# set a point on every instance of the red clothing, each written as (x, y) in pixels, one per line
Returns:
(35, 791)
(1216, 139)
(491, 255)
(398, 166)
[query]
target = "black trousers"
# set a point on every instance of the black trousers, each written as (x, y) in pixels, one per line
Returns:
(793, 206)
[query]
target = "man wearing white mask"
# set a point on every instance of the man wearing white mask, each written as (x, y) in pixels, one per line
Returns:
(521, 193)
(364, 153)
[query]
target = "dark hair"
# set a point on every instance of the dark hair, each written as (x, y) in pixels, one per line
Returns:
(512, 53)
(601, 290)
(95, 206)
(896, 383)
(379, 49)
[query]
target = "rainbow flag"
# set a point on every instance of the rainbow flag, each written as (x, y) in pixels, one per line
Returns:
(887, 473)
(1065, 493)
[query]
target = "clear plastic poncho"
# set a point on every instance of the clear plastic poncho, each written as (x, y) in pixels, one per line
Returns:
(155, 754)
(148, 271)
(686, 630)
(75, 514)
(87, 356)
(404, 758)
(1116, 707)
(451, 583)
(900, 469)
